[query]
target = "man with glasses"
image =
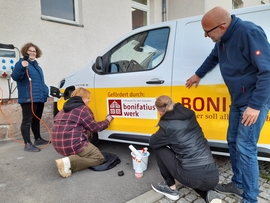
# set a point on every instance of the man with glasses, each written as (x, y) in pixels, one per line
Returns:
(243, 54)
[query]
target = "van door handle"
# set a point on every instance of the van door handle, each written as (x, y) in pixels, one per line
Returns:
(155, 82)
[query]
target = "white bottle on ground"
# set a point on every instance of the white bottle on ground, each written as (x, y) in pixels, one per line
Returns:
(138, 171)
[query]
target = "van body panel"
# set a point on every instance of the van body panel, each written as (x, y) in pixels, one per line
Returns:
(157, 60)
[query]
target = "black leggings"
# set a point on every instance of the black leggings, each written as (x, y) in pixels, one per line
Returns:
(29, 120)
(171, 169)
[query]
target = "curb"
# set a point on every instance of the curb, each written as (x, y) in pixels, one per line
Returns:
(148, 197)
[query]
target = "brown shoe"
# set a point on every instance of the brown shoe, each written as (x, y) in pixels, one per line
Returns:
(63, 166)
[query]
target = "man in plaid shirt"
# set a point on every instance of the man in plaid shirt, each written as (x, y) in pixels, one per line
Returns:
(69, 134)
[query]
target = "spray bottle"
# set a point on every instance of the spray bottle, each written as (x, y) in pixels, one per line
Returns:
(144, 151)
(138, 171)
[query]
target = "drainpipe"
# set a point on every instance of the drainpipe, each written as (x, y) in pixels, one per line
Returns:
(164, 10)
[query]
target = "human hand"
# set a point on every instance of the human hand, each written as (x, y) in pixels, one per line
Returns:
(24, 63)
(109, 117)
(250, 116)
(194, 79)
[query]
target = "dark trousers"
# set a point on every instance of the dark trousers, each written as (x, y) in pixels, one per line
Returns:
(171, 170)
(30, 121)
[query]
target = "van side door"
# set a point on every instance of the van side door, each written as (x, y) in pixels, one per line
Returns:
(134, 73)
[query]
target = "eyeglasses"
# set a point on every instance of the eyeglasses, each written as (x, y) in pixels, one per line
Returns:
(31, 51)
(206, 32)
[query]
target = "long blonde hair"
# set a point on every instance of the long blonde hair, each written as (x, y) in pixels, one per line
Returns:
(164, 103)
(81, 92)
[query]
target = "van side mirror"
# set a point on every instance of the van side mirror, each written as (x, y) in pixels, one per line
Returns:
(68, 92)
(55, 92)
(99, 65)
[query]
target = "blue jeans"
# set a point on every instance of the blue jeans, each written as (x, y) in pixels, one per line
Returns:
(242, 141)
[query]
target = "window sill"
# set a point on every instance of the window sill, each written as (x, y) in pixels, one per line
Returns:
(62, 21)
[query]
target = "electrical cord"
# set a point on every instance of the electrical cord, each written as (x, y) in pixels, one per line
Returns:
(32, 108)
(9, 121)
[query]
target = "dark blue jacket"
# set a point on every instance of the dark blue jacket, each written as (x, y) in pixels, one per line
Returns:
(243, 55)
(40, 91)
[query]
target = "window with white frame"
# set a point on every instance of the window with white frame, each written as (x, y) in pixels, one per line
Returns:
(63, 11)
(237, 4)
(140, 13)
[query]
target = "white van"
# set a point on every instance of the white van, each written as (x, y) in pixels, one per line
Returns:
(157, 60)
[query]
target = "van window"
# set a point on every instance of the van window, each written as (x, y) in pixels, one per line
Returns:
(142, 51)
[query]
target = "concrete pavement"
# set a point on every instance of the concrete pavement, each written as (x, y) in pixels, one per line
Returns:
(28, 177)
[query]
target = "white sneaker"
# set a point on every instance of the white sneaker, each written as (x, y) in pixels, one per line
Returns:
(63, 166)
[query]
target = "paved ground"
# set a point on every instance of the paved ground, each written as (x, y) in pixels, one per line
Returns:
(27, 177)
(33, 178)
(188, 195)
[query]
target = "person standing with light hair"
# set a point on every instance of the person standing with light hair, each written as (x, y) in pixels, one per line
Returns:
(182, 152)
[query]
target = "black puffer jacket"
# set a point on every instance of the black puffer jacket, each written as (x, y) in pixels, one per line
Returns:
(180, 131)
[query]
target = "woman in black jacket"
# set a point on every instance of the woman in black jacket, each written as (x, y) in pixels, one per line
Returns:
(182, 152)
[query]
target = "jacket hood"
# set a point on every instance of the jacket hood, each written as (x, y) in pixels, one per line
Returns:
(179, 113)
(73, 103)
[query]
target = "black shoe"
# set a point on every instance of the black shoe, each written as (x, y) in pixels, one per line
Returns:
(29, 147)
(230, 189)
(41, 141)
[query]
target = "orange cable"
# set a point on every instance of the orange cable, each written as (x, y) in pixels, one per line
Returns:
(10, 123)
(32, 108)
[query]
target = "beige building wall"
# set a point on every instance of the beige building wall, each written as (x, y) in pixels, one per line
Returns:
(155, 14)
(209, 4)
(186, 8)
